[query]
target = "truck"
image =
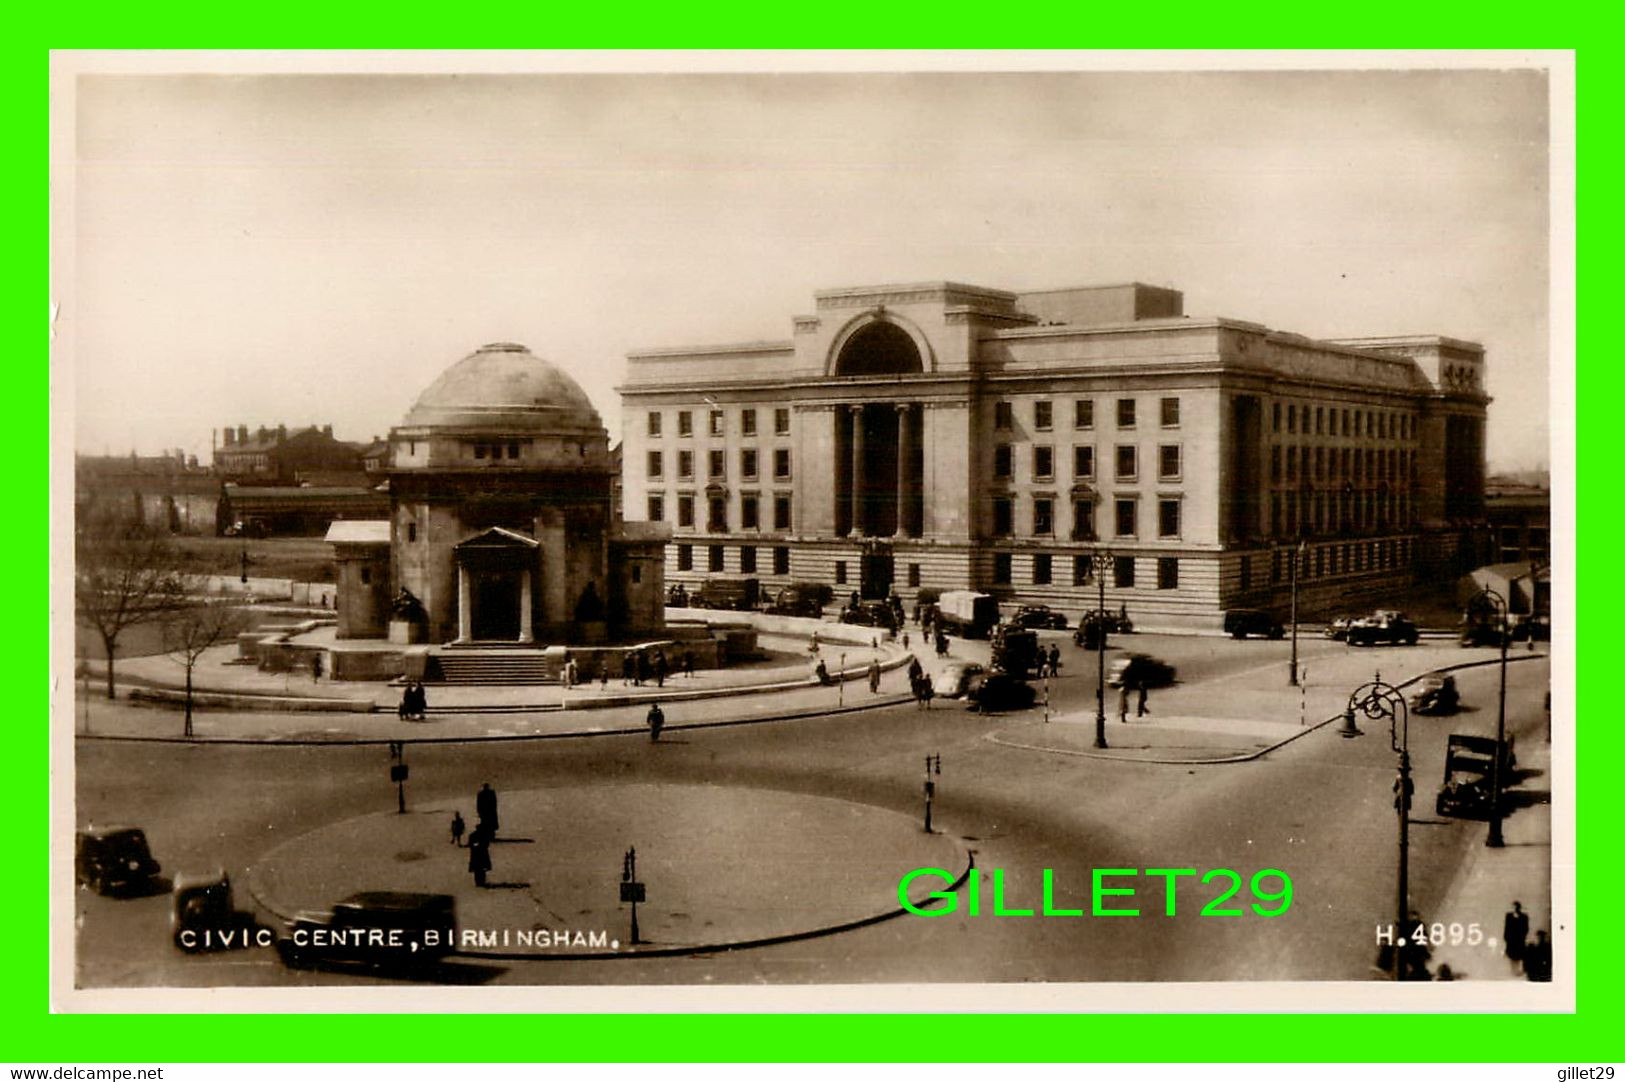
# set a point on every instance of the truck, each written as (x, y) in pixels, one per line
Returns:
(738, 593)
(1469, 762)
(1015, 650)
(967, 613)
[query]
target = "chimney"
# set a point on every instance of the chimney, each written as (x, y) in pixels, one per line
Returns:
(242, 433)
(231, 435)
(327, 430)
(281, 433)
(260, 435)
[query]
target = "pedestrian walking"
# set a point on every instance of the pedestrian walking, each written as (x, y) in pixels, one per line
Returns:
(905, 640)
(657, 721)
(1140, 710)
(571, 674)
(485, 810)
(1054, 660)
(315, 667)
(942, 644)
(457, 826)
(1122, 702)
(660, 668)
(688, 663)
(1515, 934)
(603, 675)
(404, 711)
(626, 668)
(874, 675)
(640, 669)
(812, 644)
(479, 855)
(1537, 959)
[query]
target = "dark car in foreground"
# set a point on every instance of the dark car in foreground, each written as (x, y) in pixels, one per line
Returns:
(113, 860)
(1240, 623)
(996, 692)
(1139, 670)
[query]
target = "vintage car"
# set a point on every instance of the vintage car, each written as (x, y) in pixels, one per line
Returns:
(1039, 618)
(995, 692)
(1469, 763)
(1338, 628)
(1139, 670)
(203, 916)
(801, 599)
(113, 860)
(737, 593)
(951, 678)
(385, 929)
(1116, 623)
(1239, 623)
(1383, 626)
(1485, 633)
(1435, 693)
(871, 614)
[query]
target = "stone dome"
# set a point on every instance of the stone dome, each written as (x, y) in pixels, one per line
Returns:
(505, 388)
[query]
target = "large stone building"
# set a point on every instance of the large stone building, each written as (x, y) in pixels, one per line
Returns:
(499, 521)
(949, 436)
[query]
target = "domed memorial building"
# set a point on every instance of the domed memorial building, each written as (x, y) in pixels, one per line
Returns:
(500, 527)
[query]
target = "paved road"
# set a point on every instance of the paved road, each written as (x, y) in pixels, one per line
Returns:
(1318, 809)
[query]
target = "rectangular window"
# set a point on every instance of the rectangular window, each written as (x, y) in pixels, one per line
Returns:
(1319, 420)
(1001, 516)
(1001, 461)
(747, 559)
(656, 465)
(1292, 419)
(1043, 516)
(366, 575)
(685, 557)
(718, 562)
(1170, 413)
(685, 423)
(1167, 518)
(716, 519)
(1003, 573)
(1275, 463)
(685, 512)
(748, 519)
(1083, 413)
(1167, 573)
(781, 560)
(781, 512)
(1275, 414)
(716, 422)
(685, 465)
(1125, 413)
(719, 464)
(913, 574)
(781, 422)
(747, 422)
(781, 464)
(840, 572)
(1123, 572)
(637, 572)
(1082, 568)
(654, 424)
(1128, 462)
(479, 450)
(1083, 520)
(747, 463)
(1043, 416)
(1168, 467)
(1041, 569)
(411, 531)
(1246, 573)
(657, 508)
(1003, 417)
(1126, 525)
(1043, 463)
(1083, 463)
(513, 450)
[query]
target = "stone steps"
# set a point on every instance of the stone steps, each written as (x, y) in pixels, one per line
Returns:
(508, 669)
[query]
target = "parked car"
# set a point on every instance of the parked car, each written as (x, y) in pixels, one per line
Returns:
(203, 916)
(999, 691)
(113, 860)
(381, 928)
(1383, 626)
(1139, 670)
(1090, 633)
(1039, 617)
(801, 599)
(1116, 623)
(1239, 623)
(1435, 693)
(1338, 628)
(743, 594)
(870, 614)
(951, 678)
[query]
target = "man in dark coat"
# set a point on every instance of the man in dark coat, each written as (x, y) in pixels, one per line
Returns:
(660, 668)
(1537, 959)
(485, 810)
(657, 721)
(1515, 933)
(1054, 660)
(479, 854)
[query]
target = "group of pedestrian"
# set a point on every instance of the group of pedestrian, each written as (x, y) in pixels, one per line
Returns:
(483, 834)
(414, 702)
(919, 684)
(1136, 687)
(1535, 959)
(640, 665)
(1049, 664)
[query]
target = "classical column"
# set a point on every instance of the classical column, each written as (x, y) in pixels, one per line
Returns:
(858, 525)
(905, 461)
(465, 605)
(526, 634)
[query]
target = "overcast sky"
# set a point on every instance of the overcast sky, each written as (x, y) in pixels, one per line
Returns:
(315, 249)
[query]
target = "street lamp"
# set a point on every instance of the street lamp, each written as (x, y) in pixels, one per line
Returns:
(1099, 560)
(1380, 700)
(1495, 841)
(1297, 558)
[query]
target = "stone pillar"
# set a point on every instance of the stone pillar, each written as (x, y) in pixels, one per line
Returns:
(859, 527)
(526, 634)
(905, 461)
(465, 605)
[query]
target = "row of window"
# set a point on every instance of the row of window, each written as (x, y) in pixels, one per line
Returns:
(1321, 512)
(1125, 518)
(492, 451)
(1351, 423)
(1327, 560)
(716, 507)
(717, 464)
(716, 422)
(1126, 462)
(1083, 414)
(1342, 464)
(1043, 570)
(716, 559)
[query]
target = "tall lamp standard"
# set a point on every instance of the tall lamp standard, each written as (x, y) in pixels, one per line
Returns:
(1099, 560)
(1297, 558)
(1495, 841)
(1377, 699)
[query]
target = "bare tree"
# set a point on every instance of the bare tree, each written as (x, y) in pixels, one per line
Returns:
(125, 572)
(192, 630)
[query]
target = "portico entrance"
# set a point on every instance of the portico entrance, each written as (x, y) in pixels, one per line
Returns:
(495, 587)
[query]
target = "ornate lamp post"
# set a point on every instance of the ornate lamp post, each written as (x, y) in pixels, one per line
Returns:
(1100, 560)
(1495, 841)
(1380, 700)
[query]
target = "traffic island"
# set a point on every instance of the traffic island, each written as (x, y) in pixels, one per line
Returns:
(1171, 740)
(720, 867)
